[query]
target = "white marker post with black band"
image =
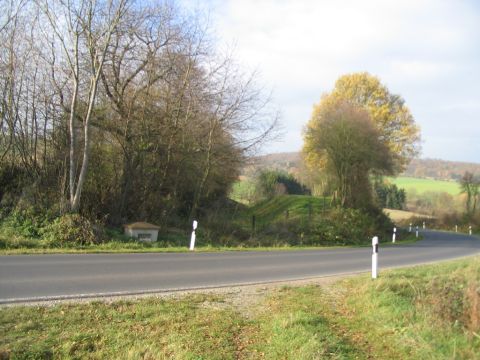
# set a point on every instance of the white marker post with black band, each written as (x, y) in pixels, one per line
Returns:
(394, 234)
(416, 232)
(410, 228)
(375, 257)
(470, 230)
(192, 239)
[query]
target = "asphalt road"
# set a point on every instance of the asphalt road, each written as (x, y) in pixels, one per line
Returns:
(30, 278)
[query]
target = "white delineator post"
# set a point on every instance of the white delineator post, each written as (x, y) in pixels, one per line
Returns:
(375, 257)
(416, 232)
(424, 225)
(456, 228)
(192, 239)
(410, 228)
(394, 234)
(470, 230)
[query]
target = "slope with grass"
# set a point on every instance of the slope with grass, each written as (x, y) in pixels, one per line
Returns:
(426, 312)
(298, 206)
(282, 210)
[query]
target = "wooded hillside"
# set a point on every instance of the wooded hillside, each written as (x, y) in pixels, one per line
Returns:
(420, 168)
(440, 169)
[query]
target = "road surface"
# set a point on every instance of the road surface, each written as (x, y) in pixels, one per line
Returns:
(29, 278)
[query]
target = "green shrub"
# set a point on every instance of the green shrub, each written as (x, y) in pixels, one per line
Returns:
(221, 234)
(28, 222)
(390, 196)
(338, 227)
(344, 227)
(73, 230)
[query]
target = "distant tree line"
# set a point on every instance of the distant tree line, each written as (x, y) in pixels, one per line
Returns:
(440, 169)
(120, 110)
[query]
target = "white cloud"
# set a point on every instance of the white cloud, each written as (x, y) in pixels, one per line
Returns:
(425, 50)
(421, 70)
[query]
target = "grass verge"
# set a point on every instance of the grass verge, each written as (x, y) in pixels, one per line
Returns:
(135, 247)
(148, 329)
(111, 250)
(425, 312)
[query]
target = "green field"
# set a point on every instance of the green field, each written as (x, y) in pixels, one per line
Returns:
(243, 191)
(424, 185)
(425, 312)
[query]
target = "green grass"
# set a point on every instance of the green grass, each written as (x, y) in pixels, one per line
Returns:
(243, 191)
(148, 329)
(114, 248)
(424, 185)
(425, 312)
(292, 325)
(280, 210)
(298, 206)
(174, 249)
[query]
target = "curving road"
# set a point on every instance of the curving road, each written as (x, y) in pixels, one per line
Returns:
(29, 278)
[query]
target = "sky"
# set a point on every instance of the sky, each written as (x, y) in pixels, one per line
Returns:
(427, 51)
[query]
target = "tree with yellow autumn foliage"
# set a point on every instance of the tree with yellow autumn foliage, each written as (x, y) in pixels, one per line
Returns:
(357, 130)
(346, 142)
(388, 111)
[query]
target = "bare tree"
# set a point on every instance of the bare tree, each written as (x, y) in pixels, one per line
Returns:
(21, 82)
(237, 120)
(161, 72)
(84, 41)
(142, 57)
(11, 9)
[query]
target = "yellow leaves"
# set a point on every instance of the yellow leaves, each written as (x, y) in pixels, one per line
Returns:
(388, 111)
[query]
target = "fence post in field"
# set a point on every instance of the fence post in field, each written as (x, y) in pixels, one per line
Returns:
(192, 238)
(375, 257)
